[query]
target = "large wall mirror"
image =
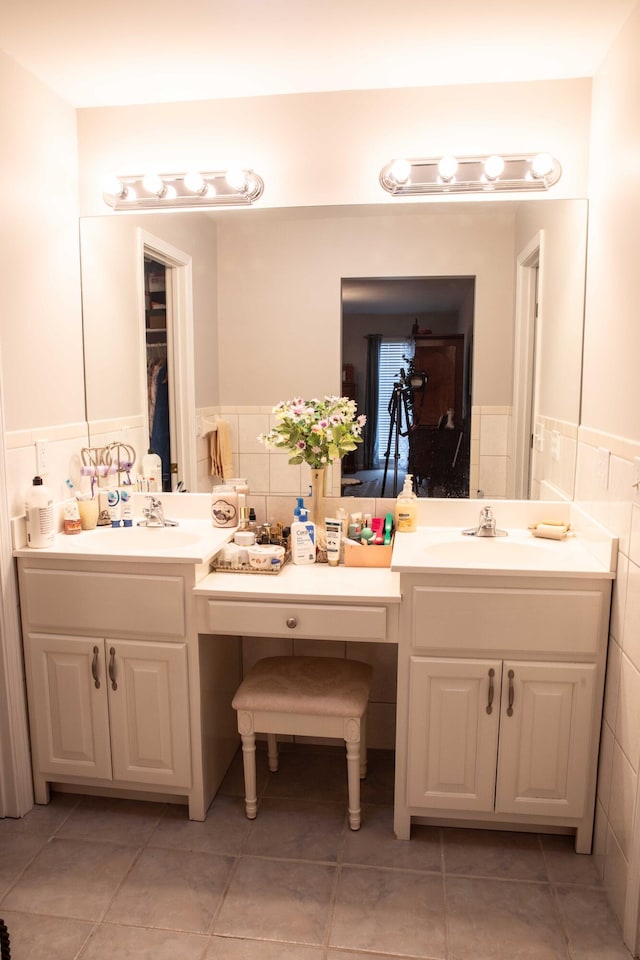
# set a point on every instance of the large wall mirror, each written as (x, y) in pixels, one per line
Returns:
(264, 314)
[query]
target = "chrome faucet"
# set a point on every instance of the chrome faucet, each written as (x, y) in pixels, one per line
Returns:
(153, 513)
(486, 526)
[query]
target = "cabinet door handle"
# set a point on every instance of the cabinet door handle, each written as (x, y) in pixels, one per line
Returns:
(292, 623)
(511, 675)
(112, 668)
(94, 668)
(492, 674)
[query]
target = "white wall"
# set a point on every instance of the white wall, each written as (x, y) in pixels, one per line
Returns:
(611, 420)
(329, 148)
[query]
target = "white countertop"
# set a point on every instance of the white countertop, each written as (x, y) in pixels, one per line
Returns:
(446, 550)
(315, 581)
(192, 541)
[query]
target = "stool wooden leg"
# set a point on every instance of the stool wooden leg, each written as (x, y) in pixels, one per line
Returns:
(353, 776)
(249, 763)
(272, 752)
(363, 747)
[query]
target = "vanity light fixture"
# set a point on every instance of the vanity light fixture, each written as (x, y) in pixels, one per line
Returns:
(182, 190)
(450, 174)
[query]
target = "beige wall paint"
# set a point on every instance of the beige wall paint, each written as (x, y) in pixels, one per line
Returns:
(40, 321)
(110, 282)
(329, 148)
(283, 328)
(561, 304)
(611, 399)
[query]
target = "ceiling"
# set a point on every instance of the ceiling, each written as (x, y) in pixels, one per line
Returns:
(151, 51)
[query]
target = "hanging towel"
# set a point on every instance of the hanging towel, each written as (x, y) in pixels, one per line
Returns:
(220, 451)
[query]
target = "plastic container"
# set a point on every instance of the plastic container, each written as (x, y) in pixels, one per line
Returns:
(152, 472)
(406, 508)
(303, 540)
(41, 531)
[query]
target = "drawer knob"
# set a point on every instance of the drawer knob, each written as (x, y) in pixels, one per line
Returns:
(292, 622)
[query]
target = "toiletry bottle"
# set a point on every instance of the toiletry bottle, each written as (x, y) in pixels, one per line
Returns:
(152, 472)
(303, 540)
(126, 506)
(41, 529)
(406, 508)
(113, 500)
(71, 517)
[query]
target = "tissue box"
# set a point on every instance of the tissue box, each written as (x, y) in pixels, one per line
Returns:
(372, 556)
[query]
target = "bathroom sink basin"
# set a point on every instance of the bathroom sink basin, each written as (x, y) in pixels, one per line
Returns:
(133, 538)
(491, 550)
(448, 550)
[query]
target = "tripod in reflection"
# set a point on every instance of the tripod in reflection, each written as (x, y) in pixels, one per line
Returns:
(398, 407)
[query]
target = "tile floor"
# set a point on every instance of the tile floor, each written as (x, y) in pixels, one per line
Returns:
(93, 878)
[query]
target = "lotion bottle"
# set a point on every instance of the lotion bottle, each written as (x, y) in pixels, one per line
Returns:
(406, 508)
(41, 531)
(303, 540)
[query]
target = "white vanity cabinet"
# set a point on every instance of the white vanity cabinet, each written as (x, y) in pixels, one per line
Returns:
(123, 698)
(110, 709)
(499, 701)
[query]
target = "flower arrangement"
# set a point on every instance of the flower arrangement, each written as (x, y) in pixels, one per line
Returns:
(316, 432)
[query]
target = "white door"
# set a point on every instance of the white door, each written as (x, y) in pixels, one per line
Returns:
(453, 733)
(149, 710)
(68, 703)
(545, 735)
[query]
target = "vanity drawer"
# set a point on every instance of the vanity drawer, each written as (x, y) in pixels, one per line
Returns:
(313, 621)
(507, 620)
(103, 603)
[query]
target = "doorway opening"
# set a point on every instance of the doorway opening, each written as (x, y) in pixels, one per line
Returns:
(167, 349)
(526, 439)
(407, 347)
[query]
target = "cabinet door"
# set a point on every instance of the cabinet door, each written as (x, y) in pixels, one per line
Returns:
(149, 712)
(68, 705)
(545, 740)
(453, 733)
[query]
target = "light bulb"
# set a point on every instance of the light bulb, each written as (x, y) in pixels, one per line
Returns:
(447, 168)
(542, 165)
(113, 186)
(237, 179)
(153, 184)
(168, 193)
(400, 170)
(493, 167)
(194, 182)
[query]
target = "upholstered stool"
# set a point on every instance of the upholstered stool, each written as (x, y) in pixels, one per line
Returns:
(304, 696)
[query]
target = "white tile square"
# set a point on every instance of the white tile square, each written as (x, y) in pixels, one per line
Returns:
(634, 544)
(631, 620)
(619, 521)
(493, 476)
(616, 872)
(619, 598)
(628, 716)
(622, 799)
(605, 761)
(284, 478)
(612, 683)
(250, 425)
(494, 436)
(255, 467)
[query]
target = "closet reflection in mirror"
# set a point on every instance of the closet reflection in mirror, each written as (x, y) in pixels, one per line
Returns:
(266, 325)
(406, 360)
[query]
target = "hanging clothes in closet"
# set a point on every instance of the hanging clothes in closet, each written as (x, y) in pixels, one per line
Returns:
(159, 436)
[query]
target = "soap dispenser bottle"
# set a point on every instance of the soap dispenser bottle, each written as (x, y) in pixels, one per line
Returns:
(407, 508)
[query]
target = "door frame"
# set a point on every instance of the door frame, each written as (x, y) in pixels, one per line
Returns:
(16, 785)
(526, 347)
(180, 353)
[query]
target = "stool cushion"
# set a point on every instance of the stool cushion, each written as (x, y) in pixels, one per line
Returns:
(323, 686)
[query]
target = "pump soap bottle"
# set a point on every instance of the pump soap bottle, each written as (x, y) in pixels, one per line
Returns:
(41, 530)
(406, 508)
(303, 539)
